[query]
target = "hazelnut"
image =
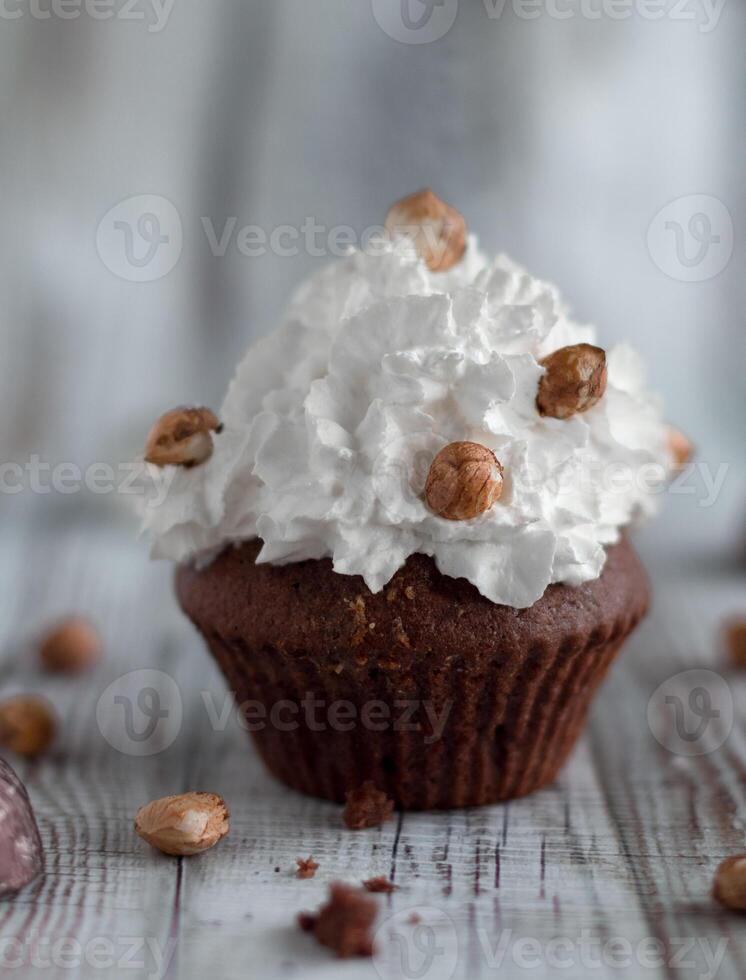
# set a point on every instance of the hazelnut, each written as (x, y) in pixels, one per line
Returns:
(735, 641)
(182, 437)
(437, 230)
(27, 724)
(185, 824)
(71, 646)
(465, 479)
(729, 887)
(680, 448)
(575, 381)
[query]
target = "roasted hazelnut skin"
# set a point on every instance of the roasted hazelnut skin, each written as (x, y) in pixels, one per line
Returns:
(182, 437)
(729, 887)
(437, 229)
(575, 381)
(71, 646)
(680, 447)
(465, 480)
(27, 724)
(185, 824)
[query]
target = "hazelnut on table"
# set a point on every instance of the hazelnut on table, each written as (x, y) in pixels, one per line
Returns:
(27, 724)
(71, 646)
(183, 825)
(729, 887)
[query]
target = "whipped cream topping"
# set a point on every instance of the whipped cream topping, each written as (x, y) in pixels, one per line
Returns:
(332, 421)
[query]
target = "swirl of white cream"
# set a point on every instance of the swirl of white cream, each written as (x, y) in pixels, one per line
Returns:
(332, 421)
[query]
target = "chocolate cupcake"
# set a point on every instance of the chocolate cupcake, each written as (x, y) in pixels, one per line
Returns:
(403, 540)
(435, 694)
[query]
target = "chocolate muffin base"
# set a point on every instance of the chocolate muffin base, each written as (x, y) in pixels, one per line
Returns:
(437, 695)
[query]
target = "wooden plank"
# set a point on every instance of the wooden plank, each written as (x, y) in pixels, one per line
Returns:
(103, 899)
(620, 850)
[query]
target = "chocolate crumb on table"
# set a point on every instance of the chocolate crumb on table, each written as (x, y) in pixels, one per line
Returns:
(345, 923)
(379, 884)
(306, 867)
(367, 807)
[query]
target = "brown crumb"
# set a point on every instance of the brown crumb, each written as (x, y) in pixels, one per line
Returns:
(400, 635)
(306, 867)
(306, 921)
(379, 884)
(367, 807)
(344, 924)
(414, 919)
(735, 640)
(409, 592)
(360, 620)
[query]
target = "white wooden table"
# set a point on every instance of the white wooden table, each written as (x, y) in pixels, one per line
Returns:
(605, 874)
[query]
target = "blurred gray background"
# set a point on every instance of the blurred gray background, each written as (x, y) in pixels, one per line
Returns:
(561, 130)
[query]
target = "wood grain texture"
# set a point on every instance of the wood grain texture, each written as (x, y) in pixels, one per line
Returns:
(605, 874)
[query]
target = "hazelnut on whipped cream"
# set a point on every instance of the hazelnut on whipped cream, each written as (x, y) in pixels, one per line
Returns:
(181, 437)
(465, 480)
(332, 422)
(437, 230)
(574, 382)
